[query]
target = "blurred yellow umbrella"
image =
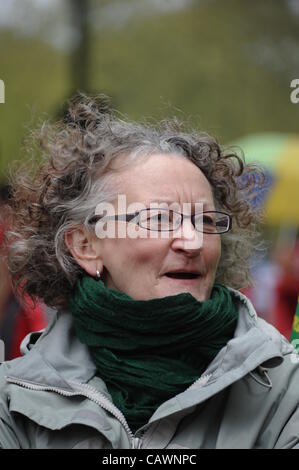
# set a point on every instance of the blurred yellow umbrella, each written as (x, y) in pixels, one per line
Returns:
(279, 155)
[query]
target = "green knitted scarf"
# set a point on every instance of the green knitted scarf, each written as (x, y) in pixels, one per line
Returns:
(148, 351)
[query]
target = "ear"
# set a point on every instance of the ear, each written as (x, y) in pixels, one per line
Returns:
(85, 248)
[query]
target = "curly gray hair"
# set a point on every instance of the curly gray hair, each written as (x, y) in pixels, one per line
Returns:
(76, 173)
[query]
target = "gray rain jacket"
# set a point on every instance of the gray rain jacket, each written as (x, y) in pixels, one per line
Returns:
(247, 398)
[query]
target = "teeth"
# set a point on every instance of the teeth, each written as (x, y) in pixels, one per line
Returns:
(182, 275)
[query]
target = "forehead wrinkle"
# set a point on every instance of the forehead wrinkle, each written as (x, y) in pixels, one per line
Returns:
(204, 202)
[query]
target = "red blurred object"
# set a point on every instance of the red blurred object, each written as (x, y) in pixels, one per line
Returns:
(287, 290)
(16, 320)
(275, 293)
(23, 320)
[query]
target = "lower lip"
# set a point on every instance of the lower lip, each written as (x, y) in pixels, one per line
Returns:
(187, 282)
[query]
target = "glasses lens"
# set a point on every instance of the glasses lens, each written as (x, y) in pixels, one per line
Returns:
(222, 223)
(159, 219)
(211, 222)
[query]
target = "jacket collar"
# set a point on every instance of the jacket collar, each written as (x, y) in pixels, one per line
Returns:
(55, 355)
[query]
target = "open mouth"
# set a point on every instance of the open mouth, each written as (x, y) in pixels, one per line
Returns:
(181, 275)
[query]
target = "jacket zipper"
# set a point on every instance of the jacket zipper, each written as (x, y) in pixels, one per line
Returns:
(98, 398)
(88, 392)
(203, 380)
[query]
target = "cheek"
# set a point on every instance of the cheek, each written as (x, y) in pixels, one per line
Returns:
(147, 252)
(134, 252)
(213, 253)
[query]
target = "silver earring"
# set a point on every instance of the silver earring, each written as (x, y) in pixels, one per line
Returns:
(98, 274)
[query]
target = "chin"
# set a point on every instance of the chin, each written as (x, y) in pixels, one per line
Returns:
(182, 290)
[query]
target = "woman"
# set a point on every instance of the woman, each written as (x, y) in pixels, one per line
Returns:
(152, 345)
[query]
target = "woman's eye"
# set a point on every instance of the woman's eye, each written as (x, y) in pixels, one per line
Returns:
(159, 218)
(208, 220)
(155, 218)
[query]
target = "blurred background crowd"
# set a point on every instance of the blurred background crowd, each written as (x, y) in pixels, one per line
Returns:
(225, 67)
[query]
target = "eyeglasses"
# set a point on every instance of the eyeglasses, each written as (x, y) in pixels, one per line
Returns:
(162, 220)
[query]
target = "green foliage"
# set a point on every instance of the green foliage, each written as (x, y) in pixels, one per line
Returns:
(35, 79)
(225, 66)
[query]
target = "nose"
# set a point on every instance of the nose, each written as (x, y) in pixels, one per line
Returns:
(187, 239)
